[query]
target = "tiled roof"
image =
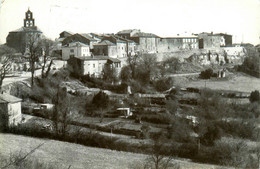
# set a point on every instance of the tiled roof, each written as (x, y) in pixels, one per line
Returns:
(105, 42)
(123, 39)
(87, 37)
(77, 44)
(125, 31)
(99, 58)
(67, 32)
(142, 34)
(6, 98)
(27, 29)
(114, 60)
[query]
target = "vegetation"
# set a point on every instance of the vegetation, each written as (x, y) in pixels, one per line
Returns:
(251, 65)
(5, 61)
(207, 74)
(254, 96)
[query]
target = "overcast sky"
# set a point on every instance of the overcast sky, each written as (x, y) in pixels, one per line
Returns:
(241, 18)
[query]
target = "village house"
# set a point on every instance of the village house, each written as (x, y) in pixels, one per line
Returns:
(105, 48)
(75, 49)
(211, 41)
(146, 42)
(93, 66)
(10, 110)
(17, 39)
(121, 45)
(83, 38)
(184, 42)
(115, 46)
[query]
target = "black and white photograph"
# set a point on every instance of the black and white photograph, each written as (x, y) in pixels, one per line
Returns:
(129, 84)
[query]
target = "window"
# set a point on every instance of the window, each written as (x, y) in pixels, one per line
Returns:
(93, 65)
(71, 50)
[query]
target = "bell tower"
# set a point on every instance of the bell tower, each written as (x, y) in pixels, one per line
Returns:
(29, 20)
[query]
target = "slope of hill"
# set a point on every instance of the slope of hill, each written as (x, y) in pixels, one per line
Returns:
(63, 154)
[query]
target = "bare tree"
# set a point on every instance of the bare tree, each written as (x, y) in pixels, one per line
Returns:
(133, 61)
(47, 47)
(34, 51)
(5, 62)
(161, 155)
(61, 112)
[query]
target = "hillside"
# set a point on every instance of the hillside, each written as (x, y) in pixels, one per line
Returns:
(63, 154)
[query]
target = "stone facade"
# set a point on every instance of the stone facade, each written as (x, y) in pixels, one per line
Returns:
(146, 42)
(105, 48)
(171, 44)
(211, 41)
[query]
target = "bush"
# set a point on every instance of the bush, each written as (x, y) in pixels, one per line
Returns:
(206, 74)
(163, 84)
(157, 118)
(254, 96)
(101, 100)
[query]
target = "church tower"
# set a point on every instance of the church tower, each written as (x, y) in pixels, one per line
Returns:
(29, 21)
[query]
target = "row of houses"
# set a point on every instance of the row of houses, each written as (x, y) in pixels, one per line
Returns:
(128, 42)
(97, 50)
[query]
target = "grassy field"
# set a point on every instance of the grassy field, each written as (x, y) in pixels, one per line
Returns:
(63, 155)
(236, 82)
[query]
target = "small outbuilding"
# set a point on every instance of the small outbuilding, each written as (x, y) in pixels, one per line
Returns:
(10, 110)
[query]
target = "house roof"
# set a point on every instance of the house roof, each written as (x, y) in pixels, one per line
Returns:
(87, 36)
(179, 37)
(67, 32)
(76, 43)
(117, 38)
(123, 39)
(143, 34)
(126, 31)
(27, 29)
(99, 58)
(114, 60)
(6, 98)
(106, 43)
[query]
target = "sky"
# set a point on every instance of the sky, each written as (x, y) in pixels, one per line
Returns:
(166, 18)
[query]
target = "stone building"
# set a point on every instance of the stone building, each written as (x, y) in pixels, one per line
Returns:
(171, 44)
(121, 45)
(211, 41)
(105, 48)
(93, 65)
(75, 49)
(17, 38)
(10, 110)
(83, 38)
(146, 42)
(125, 47)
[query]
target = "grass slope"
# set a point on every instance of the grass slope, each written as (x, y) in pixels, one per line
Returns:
(63, 154)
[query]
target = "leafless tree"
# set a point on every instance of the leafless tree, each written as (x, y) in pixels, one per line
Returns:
(5, 62)
(132, 62)
(34, 51)
(47, 47)
(161, 155)
(61, 112)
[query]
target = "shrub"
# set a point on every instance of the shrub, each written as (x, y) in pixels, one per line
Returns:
(157, 118)
(254, 96)
(206, 74)
(163, 84)
(101, 100)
